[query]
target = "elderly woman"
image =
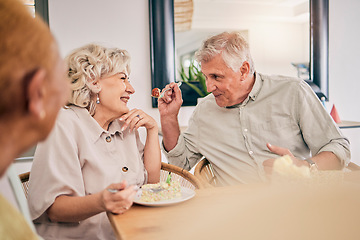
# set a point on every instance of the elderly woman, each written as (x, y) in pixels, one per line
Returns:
(94, 147)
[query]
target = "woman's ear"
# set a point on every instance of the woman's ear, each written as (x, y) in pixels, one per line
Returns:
(95, 86)
(35, 94)
(245, 69)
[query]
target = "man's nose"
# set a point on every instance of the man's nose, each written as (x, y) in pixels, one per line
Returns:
(210, 86)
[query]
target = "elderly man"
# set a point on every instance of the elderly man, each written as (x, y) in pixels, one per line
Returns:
(249, 119)
(33, 87)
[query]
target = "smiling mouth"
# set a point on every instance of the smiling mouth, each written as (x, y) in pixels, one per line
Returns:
(125, 99)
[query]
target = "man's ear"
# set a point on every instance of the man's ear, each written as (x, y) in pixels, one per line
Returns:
(35, 93)
(245, 70)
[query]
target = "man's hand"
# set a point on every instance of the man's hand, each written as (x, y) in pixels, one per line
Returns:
(169, 107)
(170, 104)
(268, 164)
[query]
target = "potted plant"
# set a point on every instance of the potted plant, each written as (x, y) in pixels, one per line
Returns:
(194, 87)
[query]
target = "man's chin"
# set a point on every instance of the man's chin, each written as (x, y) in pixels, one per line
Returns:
(220, 103)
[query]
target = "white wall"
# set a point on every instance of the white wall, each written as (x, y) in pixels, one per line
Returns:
(274, 46)
(119, 23)
(344, 62)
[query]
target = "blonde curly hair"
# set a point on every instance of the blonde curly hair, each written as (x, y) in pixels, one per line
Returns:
(87, 65)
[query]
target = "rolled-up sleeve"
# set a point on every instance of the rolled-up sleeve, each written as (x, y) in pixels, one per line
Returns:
(186, 153)
(319, 130)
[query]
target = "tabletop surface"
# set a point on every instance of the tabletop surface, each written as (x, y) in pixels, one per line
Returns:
(349, 124)
(251, 212)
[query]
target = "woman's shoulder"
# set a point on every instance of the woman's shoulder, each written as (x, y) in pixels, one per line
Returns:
(71, 112)
(70, 115)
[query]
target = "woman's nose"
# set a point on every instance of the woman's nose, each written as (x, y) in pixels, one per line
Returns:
(129, 88)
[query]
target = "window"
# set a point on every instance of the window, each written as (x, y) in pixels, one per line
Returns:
(31, 5)
(38, 6)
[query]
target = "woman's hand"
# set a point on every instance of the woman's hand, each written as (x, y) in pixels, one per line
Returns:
(118, 202)
(78, 208)
(136, 118)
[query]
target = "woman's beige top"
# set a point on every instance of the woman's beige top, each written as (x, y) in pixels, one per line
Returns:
(80, 158)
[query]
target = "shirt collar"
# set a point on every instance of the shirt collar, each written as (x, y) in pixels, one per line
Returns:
(257, 86)
(95, 130)
(253, 93)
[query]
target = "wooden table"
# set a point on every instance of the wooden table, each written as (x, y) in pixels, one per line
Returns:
(142, 222)
(349, 124)
(274, 211)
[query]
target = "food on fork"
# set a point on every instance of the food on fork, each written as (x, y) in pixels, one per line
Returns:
(155, 92)
(168, 191)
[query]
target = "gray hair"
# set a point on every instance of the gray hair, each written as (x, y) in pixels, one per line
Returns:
(233, 48)
(87, 65)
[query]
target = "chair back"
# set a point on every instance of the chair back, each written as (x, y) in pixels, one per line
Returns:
(24, 178)
(205, 173)
(184, 177)
(353, 167)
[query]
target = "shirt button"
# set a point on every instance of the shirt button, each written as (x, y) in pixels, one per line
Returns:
(245, 130)
(251, 152)
(125, 169)
(108, 139)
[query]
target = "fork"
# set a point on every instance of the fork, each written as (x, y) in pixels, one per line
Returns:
(154, 190)
(163, 92)
(160, 188)
(136, 188)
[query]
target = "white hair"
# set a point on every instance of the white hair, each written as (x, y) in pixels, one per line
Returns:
(233, 48)
(89, 64)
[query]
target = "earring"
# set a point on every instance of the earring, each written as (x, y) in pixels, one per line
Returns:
(97, 99)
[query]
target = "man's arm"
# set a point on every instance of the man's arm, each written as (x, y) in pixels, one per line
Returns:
(323, 160)
(169, 107)
(327, 161)
(171, 131)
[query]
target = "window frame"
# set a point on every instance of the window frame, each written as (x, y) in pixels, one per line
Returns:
(42, 10)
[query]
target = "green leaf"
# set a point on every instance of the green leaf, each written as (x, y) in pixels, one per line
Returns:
(191, 72)
(168, 179)
(182, 74)
(194, 75)
(202, 81)
(196, 89)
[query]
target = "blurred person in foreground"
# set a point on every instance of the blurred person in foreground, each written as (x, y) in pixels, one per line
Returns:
(250, 119)
(94, 147)
(32, 90)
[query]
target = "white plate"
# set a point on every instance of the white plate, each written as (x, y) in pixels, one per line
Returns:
(186, 194)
